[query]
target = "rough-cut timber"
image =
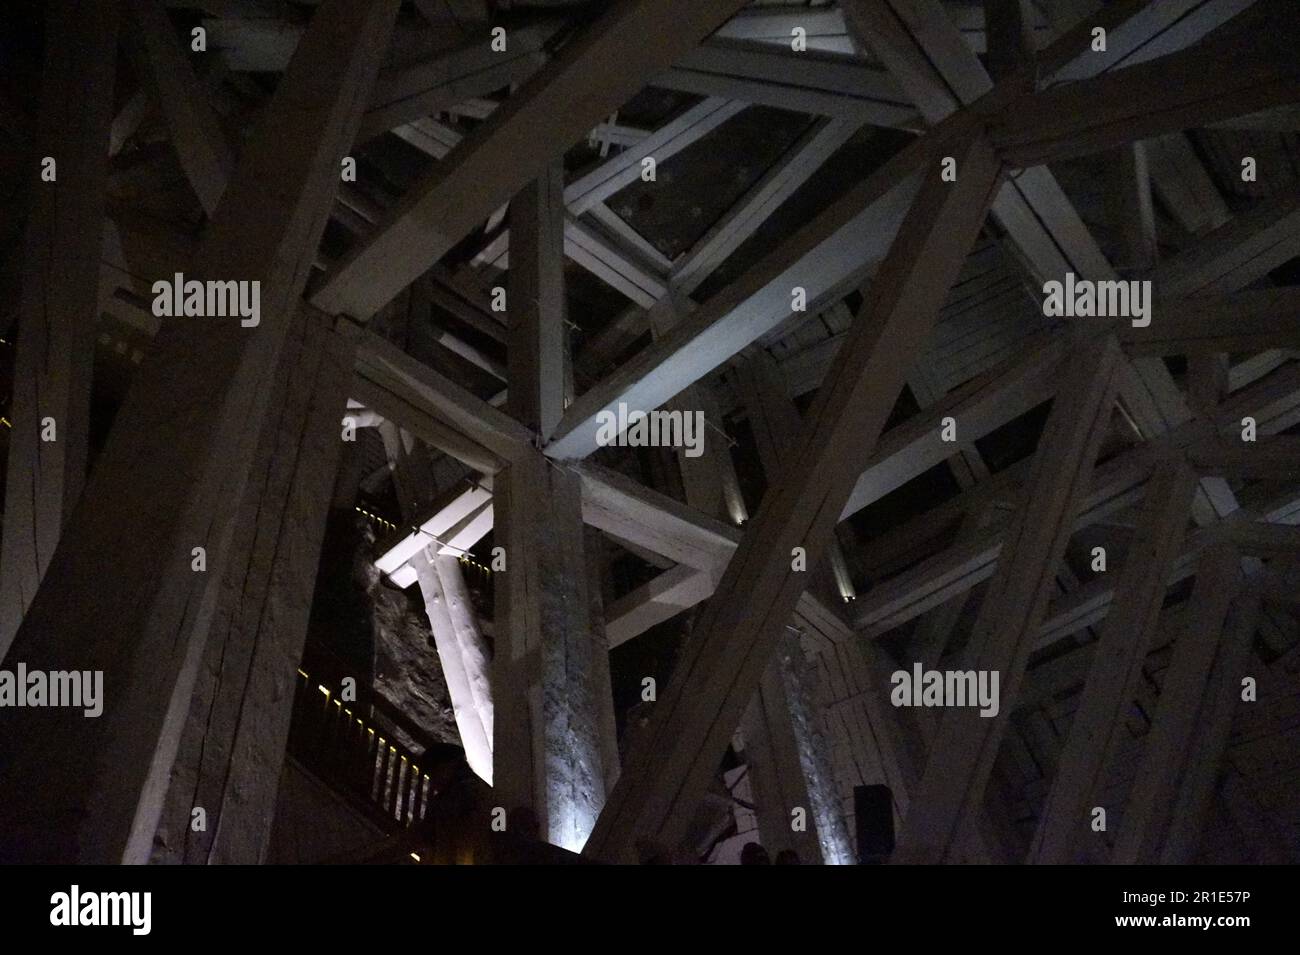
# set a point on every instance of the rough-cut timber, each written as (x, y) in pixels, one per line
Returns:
(665, 776)
(232, 750)
(179, 456)
(1116, 664)
(547, 750)
(961, 758)
(1165, 752)
(57, 309)
(587, 80)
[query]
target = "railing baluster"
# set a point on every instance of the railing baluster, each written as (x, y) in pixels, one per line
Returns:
(337, 743)
(399, 785)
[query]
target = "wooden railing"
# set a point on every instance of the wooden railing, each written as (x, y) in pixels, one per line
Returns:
(336, 741)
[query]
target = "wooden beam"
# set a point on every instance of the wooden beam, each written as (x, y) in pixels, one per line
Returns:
(1116, 665)
(550, 666)
(1010, 32)
(1209, 324)
(410, 93)
(1143, 32)
(1131, 209)
(830, 87)
(1237, 253)
(463, 654)
(668, 772)
(1264, 539)
(659, 599)
(738, 224)
(710, 331)
(1245, 69)
(1277, 458)
(387, 366)
(968, 563)
(922, 48)
(980, 406)
(609, 177)
(592, 76)
(57, 309)
(744, 218)
(786, 754)
(196, 133)
(548, 749)
(773, 24)
(789, 764)
(182, 444)
(776, 425)
(638, 274)
(447, 511)
(819, 258)
(538, 350)
(1166, 749)
(633, 514)
(408, 408)
(1213, 726)
(961, 758)
(1184, 186)
(435, 565)
(237, 721)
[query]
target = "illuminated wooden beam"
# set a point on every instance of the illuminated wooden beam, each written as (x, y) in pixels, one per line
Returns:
(236, 727)
(670, 767)
(820, 258)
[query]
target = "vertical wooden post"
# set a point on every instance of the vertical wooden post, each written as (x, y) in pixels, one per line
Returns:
(536, 356)
(549, 688)
(550, 670)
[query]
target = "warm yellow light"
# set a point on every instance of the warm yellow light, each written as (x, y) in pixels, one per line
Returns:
(415, 856)
(324, 690)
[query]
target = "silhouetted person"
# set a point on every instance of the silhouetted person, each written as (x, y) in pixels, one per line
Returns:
(754, 854)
